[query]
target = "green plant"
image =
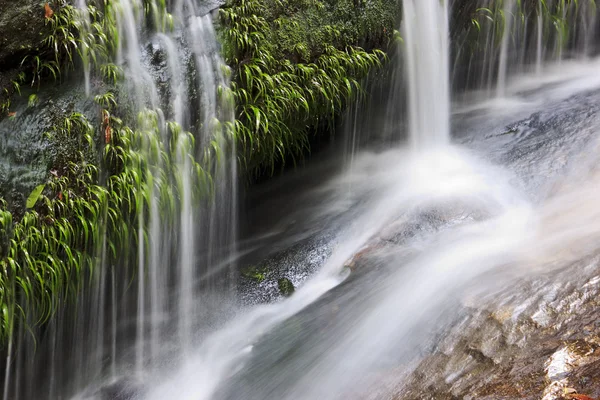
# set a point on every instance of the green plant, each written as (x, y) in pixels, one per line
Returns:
(286, 287)
(89, 33)
(294, 71)
(80, 219)
(45, 253)
(257, 274)
(111, 73)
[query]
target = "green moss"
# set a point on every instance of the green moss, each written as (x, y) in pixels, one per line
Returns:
(47, 254)
(301, 30)
(286, 287)
(257, 274)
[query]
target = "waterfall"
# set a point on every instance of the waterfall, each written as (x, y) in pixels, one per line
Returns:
(506, 37)
(148, 324)
(427, 66)
(84, 24)
(157, 282)
(539, 54)
(174, 79)
(516, 37)
(280, 351)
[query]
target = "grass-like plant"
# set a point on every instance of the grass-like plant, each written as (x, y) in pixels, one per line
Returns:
(45, 253)
(562, 25)
(45, 256)
(289, 80)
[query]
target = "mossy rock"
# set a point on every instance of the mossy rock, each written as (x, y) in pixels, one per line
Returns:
(286, 287)
(301, 29)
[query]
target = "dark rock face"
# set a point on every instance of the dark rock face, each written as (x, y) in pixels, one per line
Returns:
(25, 155)
(20, 25)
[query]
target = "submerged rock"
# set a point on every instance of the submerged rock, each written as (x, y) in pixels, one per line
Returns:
(544, 343)
(121, 390)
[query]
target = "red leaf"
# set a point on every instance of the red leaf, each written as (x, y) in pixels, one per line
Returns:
(581, 397)
(49, 13)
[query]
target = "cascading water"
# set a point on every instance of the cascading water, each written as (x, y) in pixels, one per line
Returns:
(471, 220)
(122, 331)
(515, 37)
(417, 228)
(425, 175)
(427, 68)
(508, 13)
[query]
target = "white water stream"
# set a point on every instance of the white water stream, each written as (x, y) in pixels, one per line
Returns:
(488, 224)
(431, 175)
(427, 65)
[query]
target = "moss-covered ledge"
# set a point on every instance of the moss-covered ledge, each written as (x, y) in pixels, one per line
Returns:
(296, 66)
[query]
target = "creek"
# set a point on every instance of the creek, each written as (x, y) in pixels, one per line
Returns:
(431, 211)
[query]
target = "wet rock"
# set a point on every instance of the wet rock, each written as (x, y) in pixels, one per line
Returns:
(282, 272)
(121, 390)
(25, 17)
(413, 225)
(505, 353)
(210, 6)
(26, 153)
(22, 27)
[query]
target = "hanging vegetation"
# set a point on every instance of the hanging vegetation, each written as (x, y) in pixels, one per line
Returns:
(542, 30)
(296, 65)
(68, 33)
(79, 217)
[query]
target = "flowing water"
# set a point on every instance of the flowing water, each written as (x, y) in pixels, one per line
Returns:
(429, 220)
(120, 325)
(390, 242)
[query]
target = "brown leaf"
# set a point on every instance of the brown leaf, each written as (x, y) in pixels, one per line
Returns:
(106, 125)
(12, 114)
(49, 13)
(60, 196)
(107, 134)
